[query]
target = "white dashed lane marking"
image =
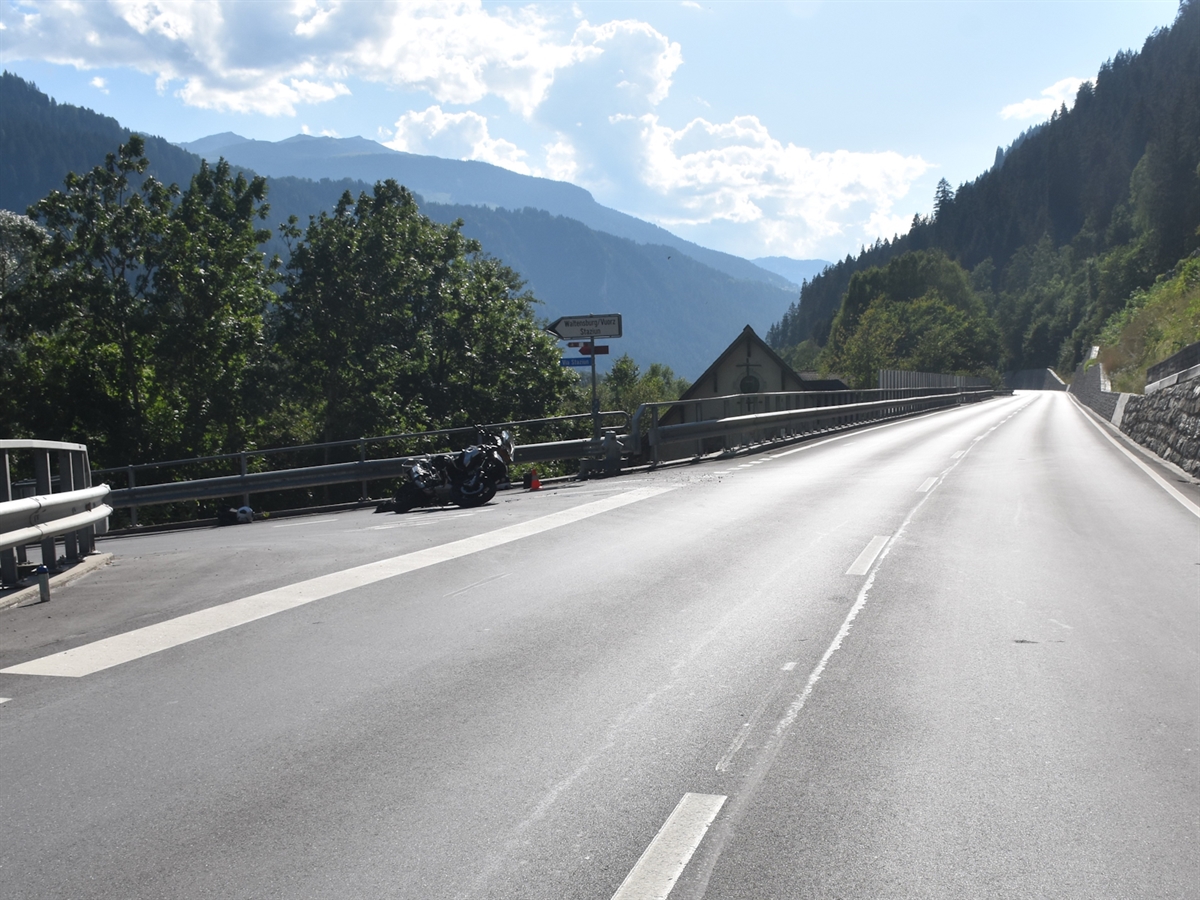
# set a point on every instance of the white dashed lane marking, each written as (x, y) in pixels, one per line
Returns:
(863, 564)
(668, 854)
(926, 485)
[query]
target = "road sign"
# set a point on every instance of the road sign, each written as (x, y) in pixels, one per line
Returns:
(598, 349)
(575, 361)
(571, 327)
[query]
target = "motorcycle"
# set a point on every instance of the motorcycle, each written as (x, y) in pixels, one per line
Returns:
(466, 478)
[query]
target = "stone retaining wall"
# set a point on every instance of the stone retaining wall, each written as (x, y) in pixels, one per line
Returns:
(1167, 422)
(1089, 386)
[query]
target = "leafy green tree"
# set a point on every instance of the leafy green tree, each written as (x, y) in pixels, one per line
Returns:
(211, 294)
(626, 387)
(91, 355)
(22, 244)
(917, 313)
(393, 323)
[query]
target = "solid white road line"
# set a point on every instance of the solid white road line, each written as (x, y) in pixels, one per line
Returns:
(863, 563)
(307, 522)
(926, 485)
(664, 860)
(5, 699)
(957, 454)
(131, 645)
(1158, 479)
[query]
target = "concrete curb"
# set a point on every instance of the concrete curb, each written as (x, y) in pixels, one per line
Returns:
(81, 568)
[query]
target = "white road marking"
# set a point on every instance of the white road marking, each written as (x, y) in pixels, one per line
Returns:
(863, 564)
(788, 666)
(476, 584)
(131, 645)
(926, 485)
(1062, 625)
(1161, 482)
(726, 472)
(664, 860)
(307, 522)
(5, 699)
(957, 454)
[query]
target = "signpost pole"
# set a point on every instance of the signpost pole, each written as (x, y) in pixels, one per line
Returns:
(595, 397)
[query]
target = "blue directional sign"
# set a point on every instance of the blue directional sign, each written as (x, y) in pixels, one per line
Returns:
(575, 361)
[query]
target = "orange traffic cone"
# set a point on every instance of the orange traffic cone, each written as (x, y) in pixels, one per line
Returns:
(535, 483)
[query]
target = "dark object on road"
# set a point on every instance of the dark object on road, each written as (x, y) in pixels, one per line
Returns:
(243, 515)
(466, 478)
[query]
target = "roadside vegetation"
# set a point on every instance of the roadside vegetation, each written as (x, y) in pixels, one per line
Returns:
(1077, 216)
(1155, 324)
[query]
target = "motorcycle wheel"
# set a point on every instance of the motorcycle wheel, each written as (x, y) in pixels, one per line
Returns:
(488, 492)
(408, 497)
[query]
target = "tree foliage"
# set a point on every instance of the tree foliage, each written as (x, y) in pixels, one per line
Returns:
(392, 322)
(920, 313)
(145, 321)
(1073, 217)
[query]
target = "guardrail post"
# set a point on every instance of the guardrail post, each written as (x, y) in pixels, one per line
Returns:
(8, 559)
(66, 482)
(86, 537)
(131, 484)
(242, 460)
(362, 458)
(654, 433)
(41, 471)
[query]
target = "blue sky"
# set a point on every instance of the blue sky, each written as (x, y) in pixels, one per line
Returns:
(800, 129)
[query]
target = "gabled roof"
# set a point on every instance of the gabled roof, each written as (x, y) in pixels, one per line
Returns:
(748, 333)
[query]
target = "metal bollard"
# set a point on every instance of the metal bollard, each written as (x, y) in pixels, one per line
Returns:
(43, 575)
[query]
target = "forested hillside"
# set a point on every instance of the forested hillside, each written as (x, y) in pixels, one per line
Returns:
(680, 312)
(1077, 215)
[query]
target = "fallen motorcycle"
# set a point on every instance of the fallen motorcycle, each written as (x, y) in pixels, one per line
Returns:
(466, 478)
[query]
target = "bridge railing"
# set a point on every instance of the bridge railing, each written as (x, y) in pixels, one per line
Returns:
(75, 511)
(783, 415)
(307, 466)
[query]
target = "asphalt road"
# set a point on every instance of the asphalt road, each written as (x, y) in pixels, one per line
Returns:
(954, 656)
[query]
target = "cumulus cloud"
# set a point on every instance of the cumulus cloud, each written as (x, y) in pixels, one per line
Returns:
(99, 84)
(1052, 98)
(462, 135)
(795, 200)
(587, 100)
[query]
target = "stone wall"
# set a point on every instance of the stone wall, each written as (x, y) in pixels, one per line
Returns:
(1167, 422)
(1089, 386)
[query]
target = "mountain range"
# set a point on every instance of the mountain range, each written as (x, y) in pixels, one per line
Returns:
(682, 303)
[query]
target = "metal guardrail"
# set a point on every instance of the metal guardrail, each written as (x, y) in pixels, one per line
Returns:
(30, 519)
(814, 409)
(363, 471)
(785, 419)
(74, 511)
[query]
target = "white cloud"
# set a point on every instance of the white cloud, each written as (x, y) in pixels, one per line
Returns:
(792, 200)
(1052, 98)
(268, 58)
(587, 98)
(462, 135)
(99, 84)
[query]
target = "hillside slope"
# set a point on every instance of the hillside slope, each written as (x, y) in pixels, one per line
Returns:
(461, 183)
(1076, 215)
(680, 311)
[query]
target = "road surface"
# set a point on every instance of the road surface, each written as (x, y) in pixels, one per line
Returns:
(952, 656)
